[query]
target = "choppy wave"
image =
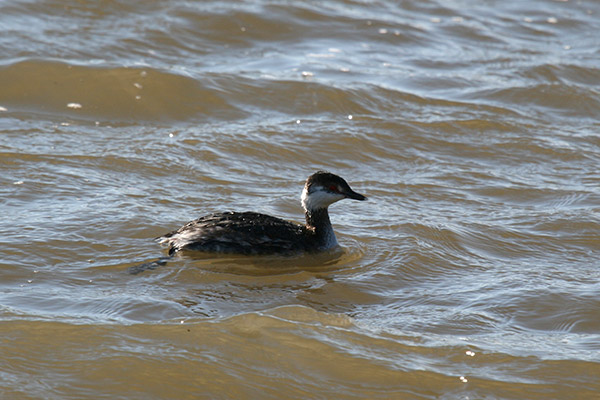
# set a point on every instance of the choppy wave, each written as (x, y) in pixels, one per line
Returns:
(470, 272)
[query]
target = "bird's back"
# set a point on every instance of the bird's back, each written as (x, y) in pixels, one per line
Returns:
(241, 233)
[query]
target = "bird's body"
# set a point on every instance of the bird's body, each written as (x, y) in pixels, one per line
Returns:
(255, 233)
(237, 232)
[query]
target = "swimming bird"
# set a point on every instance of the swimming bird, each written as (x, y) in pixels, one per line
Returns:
(254, 233)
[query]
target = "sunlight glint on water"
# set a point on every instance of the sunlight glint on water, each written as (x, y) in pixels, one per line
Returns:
(471, 272)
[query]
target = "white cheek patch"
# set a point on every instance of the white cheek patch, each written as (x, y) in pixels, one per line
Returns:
(319, 198)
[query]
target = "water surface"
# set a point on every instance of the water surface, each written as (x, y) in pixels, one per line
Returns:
(471, 272)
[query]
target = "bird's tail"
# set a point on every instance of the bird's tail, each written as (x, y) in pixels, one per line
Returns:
(150, 265)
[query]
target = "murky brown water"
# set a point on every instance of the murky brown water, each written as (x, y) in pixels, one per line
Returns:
(472, 272)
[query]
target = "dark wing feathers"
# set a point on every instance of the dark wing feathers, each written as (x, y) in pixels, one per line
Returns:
(238, 232)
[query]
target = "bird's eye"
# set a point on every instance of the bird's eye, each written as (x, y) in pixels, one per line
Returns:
(334, 188)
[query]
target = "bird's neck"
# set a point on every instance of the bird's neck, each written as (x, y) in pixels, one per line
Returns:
(318, 222)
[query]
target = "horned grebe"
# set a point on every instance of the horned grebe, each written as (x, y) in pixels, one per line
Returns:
(254, 233)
